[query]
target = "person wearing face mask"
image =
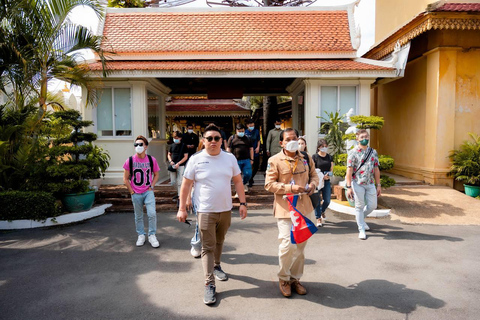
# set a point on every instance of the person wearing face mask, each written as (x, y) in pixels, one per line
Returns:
(324, 162)
(363, 180)
(302, 144)
(241, 147)
(290, 172)
(273, 139)
(140, 176)
(177, 157)
(190, 139)
(254, 136)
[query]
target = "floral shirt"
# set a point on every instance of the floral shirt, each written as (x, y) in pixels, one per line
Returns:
(366, 173)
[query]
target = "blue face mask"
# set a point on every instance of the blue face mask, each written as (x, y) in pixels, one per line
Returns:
(176, 140)
(364, 142)
(251, 128)
(240, 134)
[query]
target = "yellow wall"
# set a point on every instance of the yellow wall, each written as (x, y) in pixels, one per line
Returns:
(402, 105)
(390, 15)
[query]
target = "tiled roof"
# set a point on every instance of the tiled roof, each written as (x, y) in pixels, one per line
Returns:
(460, 7)
(240, 65)
(227, 32)
(211, 108)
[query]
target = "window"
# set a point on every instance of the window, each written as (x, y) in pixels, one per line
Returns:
(114, 112)
(337, 99)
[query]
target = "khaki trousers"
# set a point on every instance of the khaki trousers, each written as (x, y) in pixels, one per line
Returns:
(290, 256)
(213, 228)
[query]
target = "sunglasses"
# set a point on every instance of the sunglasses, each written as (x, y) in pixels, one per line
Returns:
(138, 144)
(216, 138)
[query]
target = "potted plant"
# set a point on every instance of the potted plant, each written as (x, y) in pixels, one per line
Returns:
(73, 161)
(466, 165)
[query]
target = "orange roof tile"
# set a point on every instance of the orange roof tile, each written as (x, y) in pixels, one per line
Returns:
(459, 7)
(240, 65)
(219, 32)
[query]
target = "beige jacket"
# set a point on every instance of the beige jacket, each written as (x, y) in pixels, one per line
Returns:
(278, 178)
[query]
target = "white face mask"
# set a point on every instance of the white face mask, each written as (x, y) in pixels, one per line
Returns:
(139, 149)
(190, 131)
(292, 146)
(324, 150)
(277, 126)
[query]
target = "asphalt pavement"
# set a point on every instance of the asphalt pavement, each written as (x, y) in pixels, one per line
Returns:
(92, 270)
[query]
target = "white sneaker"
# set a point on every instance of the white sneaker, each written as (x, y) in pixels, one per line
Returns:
(141, 240)
(153, 241)
(366, 227)
(195, 252)
(236, 195)
(362, 235)
(245, 187)
(319, 222)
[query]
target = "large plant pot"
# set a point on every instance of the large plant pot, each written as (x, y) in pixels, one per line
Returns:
(76, 202)
(472, 191)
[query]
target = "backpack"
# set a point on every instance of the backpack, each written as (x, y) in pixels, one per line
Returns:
(130, 165)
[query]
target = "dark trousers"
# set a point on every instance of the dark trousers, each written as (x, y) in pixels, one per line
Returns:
(256, 164)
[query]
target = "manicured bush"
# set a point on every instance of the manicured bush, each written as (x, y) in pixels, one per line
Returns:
(341, 159)
(27, 205)
(385, 162)
(386, 181)
(339, 171)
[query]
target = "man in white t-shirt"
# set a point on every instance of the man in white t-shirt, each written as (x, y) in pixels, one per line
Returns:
(212, 171)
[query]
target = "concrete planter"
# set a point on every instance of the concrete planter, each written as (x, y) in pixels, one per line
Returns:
(76, 202)
(472, 191)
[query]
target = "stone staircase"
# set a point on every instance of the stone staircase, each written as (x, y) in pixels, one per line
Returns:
(118, 196)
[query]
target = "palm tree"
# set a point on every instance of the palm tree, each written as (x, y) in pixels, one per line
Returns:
(38, 42)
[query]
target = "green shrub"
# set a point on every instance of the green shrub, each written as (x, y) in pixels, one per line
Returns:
(339, 171)
(385, 162)
(466, 161)
(368, 122)
(341, 159)
(386, 181)
(27, 205)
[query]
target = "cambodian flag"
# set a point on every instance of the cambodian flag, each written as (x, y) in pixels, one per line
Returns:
(302, 227)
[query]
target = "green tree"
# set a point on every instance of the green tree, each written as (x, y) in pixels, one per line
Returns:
(38, 42)
(126, 3)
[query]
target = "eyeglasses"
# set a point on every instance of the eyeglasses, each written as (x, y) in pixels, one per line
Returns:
(138, 144)
(216, 138)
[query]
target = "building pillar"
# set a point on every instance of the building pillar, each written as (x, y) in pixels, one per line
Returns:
(440, 114)
(295, 111)
(311, 111)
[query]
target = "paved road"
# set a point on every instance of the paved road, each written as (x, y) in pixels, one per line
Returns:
(92, 270)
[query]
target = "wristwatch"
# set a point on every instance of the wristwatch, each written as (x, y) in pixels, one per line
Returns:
(243, 204)
(348, 187)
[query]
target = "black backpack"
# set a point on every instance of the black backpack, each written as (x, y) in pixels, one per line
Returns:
(130, 165)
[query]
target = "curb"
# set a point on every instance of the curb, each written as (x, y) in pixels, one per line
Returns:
(379, 213)
(63, 219)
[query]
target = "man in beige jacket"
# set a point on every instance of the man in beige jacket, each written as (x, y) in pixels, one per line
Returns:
(289, 171)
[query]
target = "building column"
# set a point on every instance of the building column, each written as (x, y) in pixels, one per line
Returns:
(295, 111)
(440, 114)
(139, 109)
(311, 111)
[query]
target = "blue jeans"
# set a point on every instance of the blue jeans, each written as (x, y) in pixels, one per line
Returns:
(365, 202)
(246, 168)
(326, 196)
(138, 200)
(196, 241)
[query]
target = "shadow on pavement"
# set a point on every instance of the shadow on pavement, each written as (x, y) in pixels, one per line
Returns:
(253, 258)
(381, 294)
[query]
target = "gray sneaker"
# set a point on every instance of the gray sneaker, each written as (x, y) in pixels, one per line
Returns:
(209, 297)
(219, 274)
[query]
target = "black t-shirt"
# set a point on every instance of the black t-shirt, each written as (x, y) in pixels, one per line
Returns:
(178, 151)
(323, 163)
(240, 147)
(189, 139)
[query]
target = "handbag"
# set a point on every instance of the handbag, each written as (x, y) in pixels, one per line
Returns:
(314, 197)
(171, 168)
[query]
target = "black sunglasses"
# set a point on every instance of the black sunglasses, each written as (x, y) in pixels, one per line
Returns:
(216, 138)
(138, 144)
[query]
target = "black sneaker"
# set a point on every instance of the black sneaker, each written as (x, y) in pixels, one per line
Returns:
(219, 274)
(209, 297)
(175, 197)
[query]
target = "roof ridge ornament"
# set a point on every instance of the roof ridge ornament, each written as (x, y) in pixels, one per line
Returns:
(355, 31)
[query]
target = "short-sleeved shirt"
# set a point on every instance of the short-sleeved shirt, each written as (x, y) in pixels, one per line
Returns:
(240, 147)
(254, 136)
(142, 176)
(212, 176)
(366, 174)
(323, 163)
(178, 151)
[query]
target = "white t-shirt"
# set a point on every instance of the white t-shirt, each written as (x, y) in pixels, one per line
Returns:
(213, 177)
